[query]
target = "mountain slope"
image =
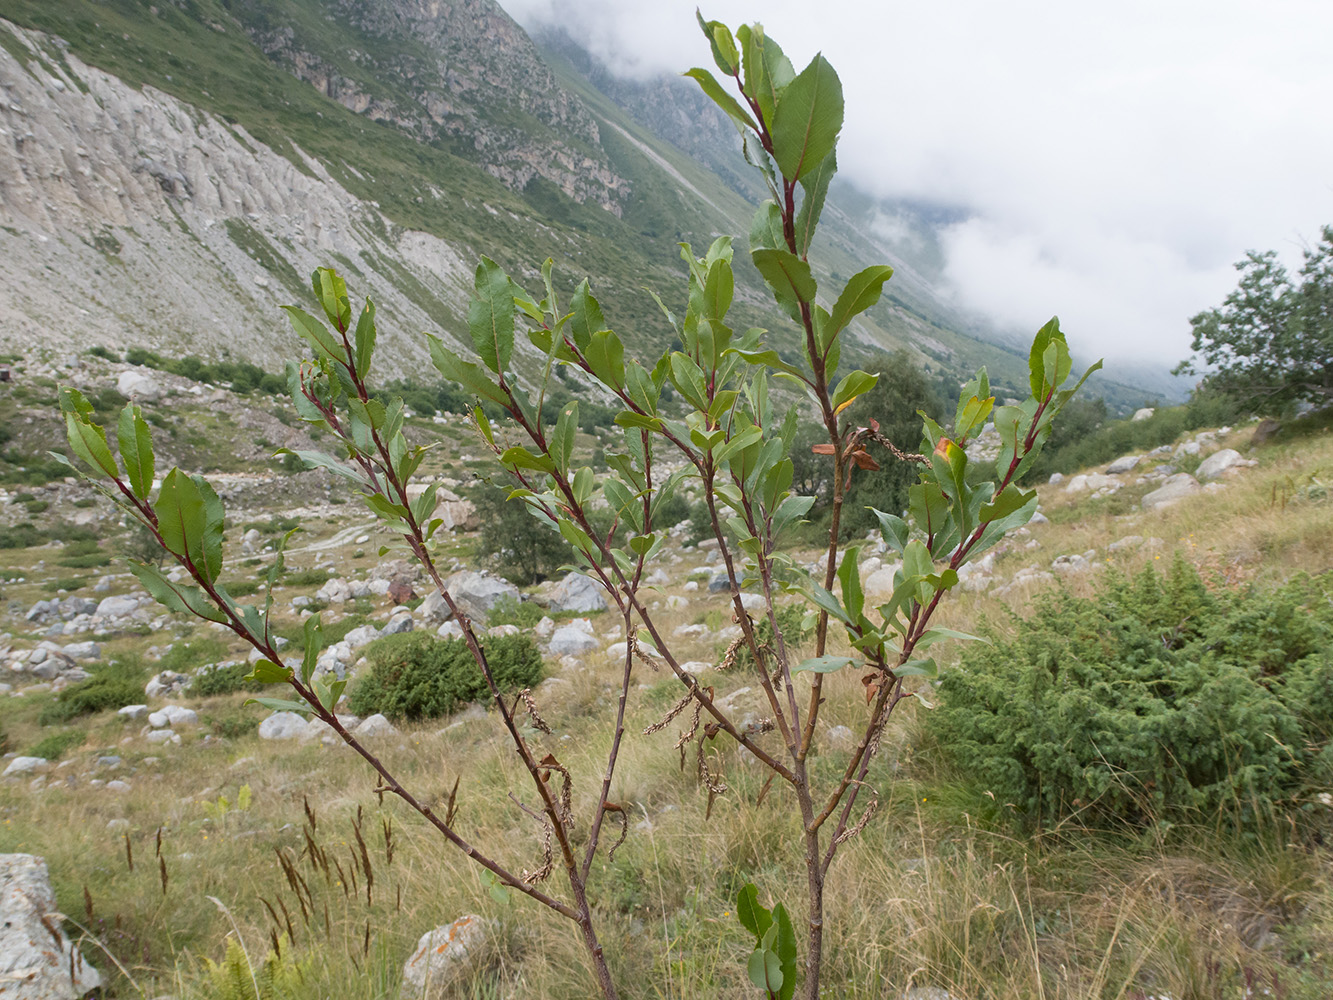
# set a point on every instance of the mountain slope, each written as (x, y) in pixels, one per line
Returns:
(231, 145)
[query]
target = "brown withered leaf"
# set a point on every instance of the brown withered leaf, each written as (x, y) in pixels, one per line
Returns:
(823, 449)
(863, 460)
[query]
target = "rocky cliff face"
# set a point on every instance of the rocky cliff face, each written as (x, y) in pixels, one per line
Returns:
(128, 218)
(460, 69)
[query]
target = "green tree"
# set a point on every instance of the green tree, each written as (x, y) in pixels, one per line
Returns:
(896, 403)
(1270, 344)
(527, 548)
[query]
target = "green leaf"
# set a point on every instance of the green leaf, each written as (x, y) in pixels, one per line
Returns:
(586, 318)
(606, 358)
(766, 228)
(850, 578)
(729, 105)
(561, 443)
(268, 672)
(767, 70)
(740, 442)
(319, 460)
(788, 276)
(827, 602)
(465, 373)
(765, 970)
(815, 185)
(190, 519)
(1040, 377)
(918, 668)
(723, 45)
(281, 705)
(785, 948)
(365, 339)
(1010, 499)
(807, 119)
(520, 458)
(754, 917)
(331, 292)
(853, 384)
(718, 289)
(862, 291)
(824, 664)
(916, 559)
(894, 529)
(934, 635)
(490, 317)
(135, 442)
(175, 596)
(86, 438)
(316, 334)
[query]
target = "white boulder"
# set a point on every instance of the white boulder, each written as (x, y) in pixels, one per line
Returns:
(1210, 468)
(441, 954)
(282, 726)
(138, 387)
(37, 960)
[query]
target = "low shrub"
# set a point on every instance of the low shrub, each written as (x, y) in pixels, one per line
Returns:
(21, 536)
(415, 675)
(223, 680)
(111, 685)
(56, 745)
(1155, 699)
(511, 611)
(186, 657)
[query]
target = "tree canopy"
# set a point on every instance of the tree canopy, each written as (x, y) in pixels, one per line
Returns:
(1270, 344)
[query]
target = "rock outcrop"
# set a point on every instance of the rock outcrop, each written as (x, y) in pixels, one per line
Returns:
(37, 960)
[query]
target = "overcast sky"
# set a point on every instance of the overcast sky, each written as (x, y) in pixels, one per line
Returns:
(1110, 161)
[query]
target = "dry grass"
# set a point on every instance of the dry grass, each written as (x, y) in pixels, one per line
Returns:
(943, 889)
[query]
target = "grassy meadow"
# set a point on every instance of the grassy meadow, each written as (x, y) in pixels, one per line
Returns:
(287, 850)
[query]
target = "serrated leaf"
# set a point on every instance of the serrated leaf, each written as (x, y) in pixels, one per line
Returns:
(785, 948)
(190, 520)
(470, 376)
(586, 318)
(88, 442)
(934, 635)
(606, 357)
(767, 70)
(850, 578)
(765, 970)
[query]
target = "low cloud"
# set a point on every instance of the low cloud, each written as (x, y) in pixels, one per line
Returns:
(1110, 162)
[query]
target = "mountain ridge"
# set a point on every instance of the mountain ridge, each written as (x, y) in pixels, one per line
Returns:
(414, 208)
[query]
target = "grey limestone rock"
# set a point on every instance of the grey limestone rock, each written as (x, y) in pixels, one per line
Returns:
(37, 960)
